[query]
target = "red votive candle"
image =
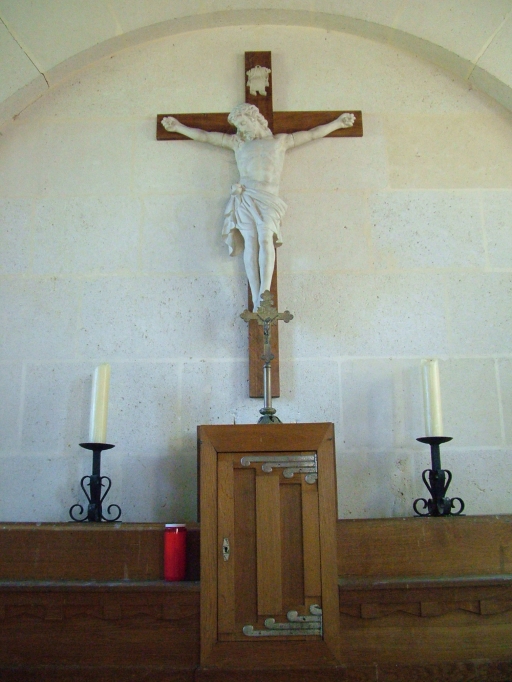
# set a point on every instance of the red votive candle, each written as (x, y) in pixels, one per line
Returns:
(175, 551)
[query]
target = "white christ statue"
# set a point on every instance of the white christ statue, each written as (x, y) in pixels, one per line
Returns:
(252, 221)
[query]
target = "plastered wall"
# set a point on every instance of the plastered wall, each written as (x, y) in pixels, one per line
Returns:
(397, 247)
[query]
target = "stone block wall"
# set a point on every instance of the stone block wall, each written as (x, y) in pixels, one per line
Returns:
(397, 246)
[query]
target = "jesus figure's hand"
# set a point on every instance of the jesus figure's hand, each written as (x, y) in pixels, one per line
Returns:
(346, 120)
(170, 123)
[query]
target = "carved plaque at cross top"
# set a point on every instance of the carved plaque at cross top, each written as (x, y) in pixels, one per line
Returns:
(258, 91)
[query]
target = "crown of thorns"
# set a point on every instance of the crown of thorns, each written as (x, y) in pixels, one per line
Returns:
(251, 112)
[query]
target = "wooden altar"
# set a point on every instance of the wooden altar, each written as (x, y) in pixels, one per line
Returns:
(402, 600)
(418, 598)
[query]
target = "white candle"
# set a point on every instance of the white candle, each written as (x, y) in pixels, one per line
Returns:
(99, 404)
(432, 398)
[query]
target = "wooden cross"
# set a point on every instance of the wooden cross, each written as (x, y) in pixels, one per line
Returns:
(279, 122)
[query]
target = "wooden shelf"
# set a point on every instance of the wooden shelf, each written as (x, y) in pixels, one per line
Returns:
(99, 586)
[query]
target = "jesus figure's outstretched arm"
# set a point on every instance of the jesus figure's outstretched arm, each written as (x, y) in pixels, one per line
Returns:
(343, 121)
(218, 139)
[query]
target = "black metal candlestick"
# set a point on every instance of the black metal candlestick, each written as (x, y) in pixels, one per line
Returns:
(439, 480)
(95, 482)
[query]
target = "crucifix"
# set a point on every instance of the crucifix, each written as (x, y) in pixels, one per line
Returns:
(254, 212)
(266, 316)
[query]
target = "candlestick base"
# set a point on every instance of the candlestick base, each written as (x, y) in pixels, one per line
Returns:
(434, 440)
(95, 482)
(438, 482)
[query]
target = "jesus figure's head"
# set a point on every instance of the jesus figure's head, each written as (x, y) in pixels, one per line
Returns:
(249, 122)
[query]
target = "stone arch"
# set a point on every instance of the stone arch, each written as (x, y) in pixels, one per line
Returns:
(489, 49)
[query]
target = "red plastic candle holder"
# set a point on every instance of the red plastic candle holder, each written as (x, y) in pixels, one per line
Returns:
(175, 551)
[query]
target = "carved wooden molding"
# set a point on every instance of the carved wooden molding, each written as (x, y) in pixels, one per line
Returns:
(427, 609)
(378, 597)
(55, 606)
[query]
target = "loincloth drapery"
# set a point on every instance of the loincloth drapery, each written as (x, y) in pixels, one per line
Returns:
(250, 207)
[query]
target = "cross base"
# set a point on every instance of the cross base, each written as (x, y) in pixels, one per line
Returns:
(268, 416)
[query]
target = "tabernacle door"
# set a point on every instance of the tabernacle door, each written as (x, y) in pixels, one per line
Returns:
(268, 545)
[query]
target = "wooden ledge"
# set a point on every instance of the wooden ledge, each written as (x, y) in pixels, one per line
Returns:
(70, 526)
(99, 586)
(421, 547)
(405, 583)
(425, 597)
(89, 552)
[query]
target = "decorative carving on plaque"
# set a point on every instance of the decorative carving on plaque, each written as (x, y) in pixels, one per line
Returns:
(257, 80)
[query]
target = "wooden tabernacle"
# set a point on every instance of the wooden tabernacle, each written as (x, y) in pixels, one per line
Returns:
(268, 547)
